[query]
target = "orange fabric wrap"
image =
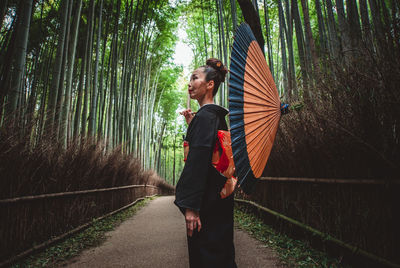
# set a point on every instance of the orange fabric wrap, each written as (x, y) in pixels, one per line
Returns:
(222, 160)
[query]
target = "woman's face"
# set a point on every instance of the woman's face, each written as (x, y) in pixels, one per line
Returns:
(198, 86)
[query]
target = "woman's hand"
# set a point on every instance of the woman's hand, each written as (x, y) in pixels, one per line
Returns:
(188, 114)
(192, 218)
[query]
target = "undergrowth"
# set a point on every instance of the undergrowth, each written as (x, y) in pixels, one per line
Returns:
(291, 252)
(46, 166)
(73, 246)
(347, 128)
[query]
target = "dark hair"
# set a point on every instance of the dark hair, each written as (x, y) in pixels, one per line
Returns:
(216, 71)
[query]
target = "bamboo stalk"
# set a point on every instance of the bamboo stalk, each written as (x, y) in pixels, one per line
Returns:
(334, 181)
(324, 236)
(65, 235)
(44, 196)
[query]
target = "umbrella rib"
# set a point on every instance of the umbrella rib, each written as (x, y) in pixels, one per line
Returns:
(256, 57)
(260, 118)
(261, 73)
(264, 154)
(239, 89)
(252, 122)
(266, 98)
(252, 112)
(254, 103)
(266, 125)
(259, 84)
(268, 90)
(259, 142)
(262, 64)
(253, 69)
(266, 150)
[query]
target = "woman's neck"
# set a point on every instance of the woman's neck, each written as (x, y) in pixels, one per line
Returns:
(206, 100)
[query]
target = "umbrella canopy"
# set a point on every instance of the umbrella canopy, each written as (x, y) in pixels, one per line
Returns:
(254, 108)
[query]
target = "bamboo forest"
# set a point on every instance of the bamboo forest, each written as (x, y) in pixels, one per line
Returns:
(91, 96)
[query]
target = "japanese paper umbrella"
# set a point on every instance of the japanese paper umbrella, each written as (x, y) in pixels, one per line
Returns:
(254, 108)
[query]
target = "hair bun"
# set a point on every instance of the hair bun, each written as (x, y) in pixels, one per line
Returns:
(219, 67)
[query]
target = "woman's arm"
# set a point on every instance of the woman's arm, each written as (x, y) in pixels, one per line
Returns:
(188, 114)
(192, 182)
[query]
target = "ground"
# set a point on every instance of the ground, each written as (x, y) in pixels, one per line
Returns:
(156, 237)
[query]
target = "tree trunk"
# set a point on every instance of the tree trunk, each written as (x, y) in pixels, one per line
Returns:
(173, 170)
(78, 108)
(18, 63)
(289, 40)
(204, 29)
(3, 10)
(93, 107)
(300, 45)
(378, 27)
(7, 55)
(269, 43)
(61, 89)
(36, 77)
(333, 40)
(321, 27)
(286, 89)
(102, 108)
(71, 65)
(88, 77)
(53, 91)
(354, 26)
(396, 25)
(221, 23)
(253, 19)
(344, 32)
(234, 15)
(366, 25)
(310, 38)
(387, 27)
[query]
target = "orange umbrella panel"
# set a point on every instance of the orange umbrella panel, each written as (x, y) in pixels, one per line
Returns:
(254, 107)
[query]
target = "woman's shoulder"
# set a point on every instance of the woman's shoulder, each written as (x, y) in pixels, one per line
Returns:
(212, 109)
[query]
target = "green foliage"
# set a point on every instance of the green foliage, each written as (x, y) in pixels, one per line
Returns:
(93, 236)
(291, 252)
(169, 96)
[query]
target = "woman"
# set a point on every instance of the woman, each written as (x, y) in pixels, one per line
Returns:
(209, 219)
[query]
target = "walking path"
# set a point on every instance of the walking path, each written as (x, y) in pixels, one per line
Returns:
(156, 237)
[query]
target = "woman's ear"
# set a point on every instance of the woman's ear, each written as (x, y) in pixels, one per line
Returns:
(210, 85)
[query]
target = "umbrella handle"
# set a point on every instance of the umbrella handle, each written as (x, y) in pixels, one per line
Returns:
(188, 101)
(284, 108)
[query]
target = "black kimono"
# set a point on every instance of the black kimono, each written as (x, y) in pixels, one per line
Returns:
(198, 189)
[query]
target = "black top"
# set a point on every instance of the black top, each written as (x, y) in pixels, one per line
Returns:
(198, 175)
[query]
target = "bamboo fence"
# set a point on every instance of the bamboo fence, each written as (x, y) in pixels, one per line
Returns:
(361, 212)
(67, 234)
(73, 193)
(332, 181)
(30, 202)
(325, 237)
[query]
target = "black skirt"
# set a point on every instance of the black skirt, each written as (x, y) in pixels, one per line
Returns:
(213, 245)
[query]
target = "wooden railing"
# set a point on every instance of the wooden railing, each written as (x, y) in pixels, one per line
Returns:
(332, 181)
(60, 201)
(360, 212)
(53, 195)
(322, 235)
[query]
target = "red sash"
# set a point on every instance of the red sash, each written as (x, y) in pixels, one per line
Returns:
(222, 160)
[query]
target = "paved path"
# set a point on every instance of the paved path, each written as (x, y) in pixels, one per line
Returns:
(156, 237)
